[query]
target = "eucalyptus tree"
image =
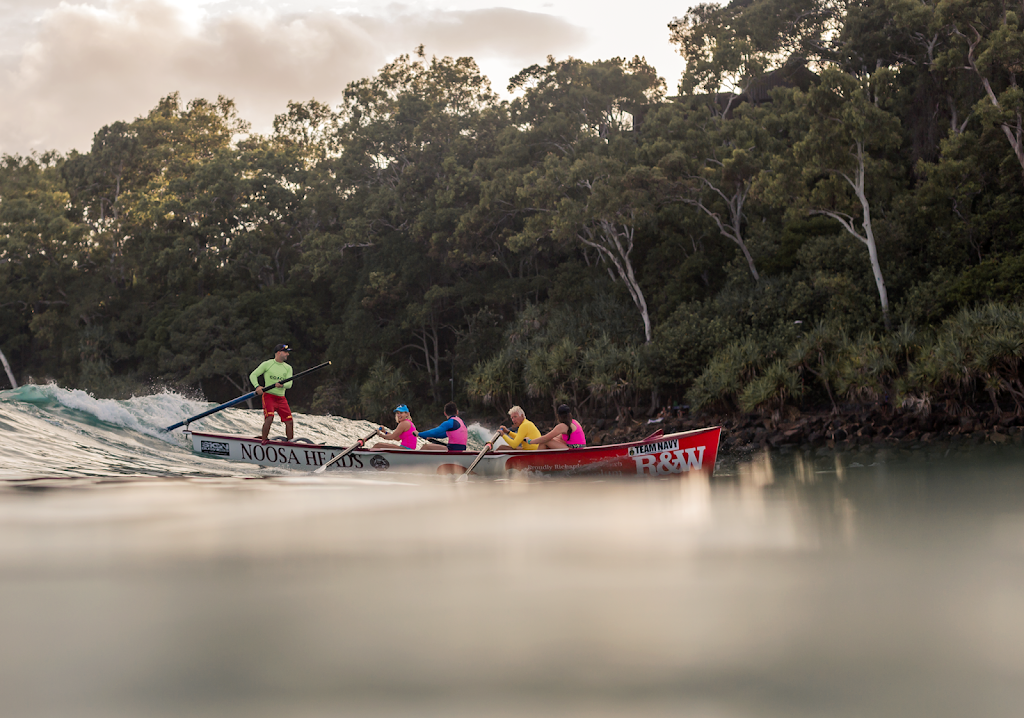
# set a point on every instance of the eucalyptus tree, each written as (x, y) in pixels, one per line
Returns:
(710, 162)
(840, 167)
(566, 175)
(600, 203)
(99, 178)
(987, 40)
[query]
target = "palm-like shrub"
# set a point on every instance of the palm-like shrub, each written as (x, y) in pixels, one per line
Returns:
(771, 391)
(982, 348)
(561, 358)
(616, 373)
(555, 372)
(499, 380)
(867, 371)
(819, 353)
(727, 374)
(977, 349)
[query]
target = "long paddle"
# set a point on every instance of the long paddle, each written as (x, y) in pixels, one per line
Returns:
(239, 400)
(487, 447)
(346, 452)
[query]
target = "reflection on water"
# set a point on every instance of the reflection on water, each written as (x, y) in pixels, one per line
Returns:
(782, 587)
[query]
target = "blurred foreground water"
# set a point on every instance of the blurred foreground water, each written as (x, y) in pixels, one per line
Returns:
(138, 580)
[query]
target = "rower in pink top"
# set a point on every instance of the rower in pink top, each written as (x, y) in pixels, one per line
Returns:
(567, 434)
(404, 433)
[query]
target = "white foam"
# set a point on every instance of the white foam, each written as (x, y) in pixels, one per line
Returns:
(144, 414)
(483, 434)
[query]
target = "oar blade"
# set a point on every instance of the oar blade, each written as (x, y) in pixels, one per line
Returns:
(487, 447)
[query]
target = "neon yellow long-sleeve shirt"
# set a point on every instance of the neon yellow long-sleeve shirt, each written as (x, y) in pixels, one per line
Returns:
(275, 372)
(527, 430)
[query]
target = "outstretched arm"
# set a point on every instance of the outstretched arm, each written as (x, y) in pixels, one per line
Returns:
(440, 431)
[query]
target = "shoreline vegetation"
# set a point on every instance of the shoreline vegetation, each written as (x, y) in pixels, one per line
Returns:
(862, 434)
(827, 213)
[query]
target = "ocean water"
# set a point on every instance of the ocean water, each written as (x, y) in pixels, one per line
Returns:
(48, 431)
(140, 580)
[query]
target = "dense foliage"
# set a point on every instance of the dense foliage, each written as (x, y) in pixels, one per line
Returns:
(829, 212)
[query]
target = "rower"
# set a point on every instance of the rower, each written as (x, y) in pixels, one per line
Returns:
(277, 374)
(404, 433)
(567, 434)
(525, 429)
(453, 427)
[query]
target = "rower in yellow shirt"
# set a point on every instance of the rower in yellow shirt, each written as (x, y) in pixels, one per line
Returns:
(525, 429)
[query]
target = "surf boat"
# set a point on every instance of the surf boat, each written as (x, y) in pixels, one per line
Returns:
(657, 455)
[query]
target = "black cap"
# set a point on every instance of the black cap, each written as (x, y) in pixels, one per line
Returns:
(282, 348)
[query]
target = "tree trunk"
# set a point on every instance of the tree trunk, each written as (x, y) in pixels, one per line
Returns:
(868, 236)
(734, 228)
(611, 248)
(7, 368)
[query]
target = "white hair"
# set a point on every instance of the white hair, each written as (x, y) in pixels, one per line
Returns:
(516, 410)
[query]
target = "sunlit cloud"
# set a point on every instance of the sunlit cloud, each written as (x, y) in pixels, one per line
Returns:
(87, 65)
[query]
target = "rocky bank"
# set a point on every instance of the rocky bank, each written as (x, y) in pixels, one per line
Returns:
(868, 431)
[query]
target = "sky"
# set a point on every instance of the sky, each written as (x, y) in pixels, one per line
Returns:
(69, 67)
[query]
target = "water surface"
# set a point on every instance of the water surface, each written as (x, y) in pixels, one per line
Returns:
(138, 579)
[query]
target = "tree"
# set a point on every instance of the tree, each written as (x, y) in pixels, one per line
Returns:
(727, 46)
(839, 168)
(710, 161)
(987, 40)
(409, 138)
(562, 170)
(599, 202)
(47, 277)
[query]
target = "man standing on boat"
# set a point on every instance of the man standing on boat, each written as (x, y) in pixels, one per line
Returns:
(525, 429)
(453, 427)
(276, 373)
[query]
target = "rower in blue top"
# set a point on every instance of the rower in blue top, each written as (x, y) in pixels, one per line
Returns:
(453, 427)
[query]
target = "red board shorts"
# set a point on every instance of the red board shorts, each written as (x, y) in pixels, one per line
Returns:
(272, 403)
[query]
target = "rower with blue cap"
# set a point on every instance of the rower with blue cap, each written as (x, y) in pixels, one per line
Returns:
(404, 433)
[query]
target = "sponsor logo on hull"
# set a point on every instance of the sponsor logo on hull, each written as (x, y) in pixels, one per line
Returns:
(655, 448)
(670, 462)
(217, 448)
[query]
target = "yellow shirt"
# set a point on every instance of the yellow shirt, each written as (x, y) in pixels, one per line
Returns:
(527, 430)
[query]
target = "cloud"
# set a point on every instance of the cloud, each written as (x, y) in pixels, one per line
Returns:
(87, 66)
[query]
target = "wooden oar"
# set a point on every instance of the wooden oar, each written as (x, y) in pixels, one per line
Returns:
(346, 452)
(487, 447)
(239, 400)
